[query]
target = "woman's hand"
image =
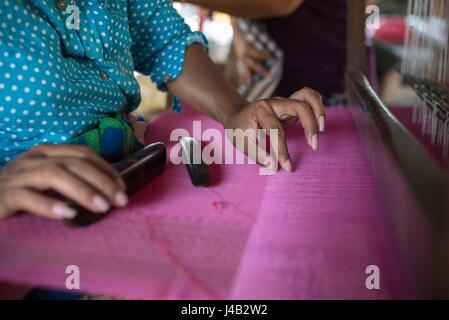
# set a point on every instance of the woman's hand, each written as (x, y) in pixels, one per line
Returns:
(304, 105)
(202, 86)
(249, 60)
(75, 172)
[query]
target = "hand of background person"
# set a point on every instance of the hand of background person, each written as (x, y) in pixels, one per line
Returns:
(249, 60)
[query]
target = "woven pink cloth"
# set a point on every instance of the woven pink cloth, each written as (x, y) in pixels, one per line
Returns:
(306, 235)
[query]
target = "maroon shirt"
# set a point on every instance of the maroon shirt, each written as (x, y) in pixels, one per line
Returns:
(314, 43)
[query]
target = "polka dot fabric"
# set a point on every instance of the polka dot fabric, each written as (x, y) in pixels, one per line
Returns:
(58, 81)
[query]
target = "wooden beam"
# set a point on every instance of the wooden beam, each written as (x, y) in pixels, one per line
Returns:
(356, 49)
(356, 36)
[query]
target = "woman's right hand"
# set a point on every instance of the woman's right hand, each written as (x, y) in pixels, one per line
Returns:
(73, 171)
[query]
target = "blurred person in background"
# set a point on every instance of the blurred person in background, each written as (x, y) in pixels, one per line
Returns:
(311, 35)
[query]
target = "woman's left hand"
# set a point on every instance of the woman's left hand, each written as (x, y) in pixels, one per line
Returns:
(304, 105)
(203, 87)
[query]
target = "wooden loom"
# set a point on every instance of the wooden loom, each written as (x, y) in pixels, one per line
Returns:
(413, 182)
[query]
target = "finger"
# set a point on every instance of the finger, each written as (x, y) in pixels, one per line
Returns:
(51, 177)
(261, 55)
(244, 73)
(256, 67)
(315, 101)
(268, 120)
(96, 178)
(304, 113)
(247, 143)
(76, 151)
(82, 168)
(268, 160)
(308, 122)
(22, 199)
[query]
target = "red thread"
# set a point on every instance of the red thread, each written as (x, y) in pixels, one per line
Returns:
(177, 262)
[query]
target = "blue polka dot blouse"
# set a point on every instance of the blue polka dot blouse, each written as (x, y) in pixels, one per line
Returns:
(67, 64)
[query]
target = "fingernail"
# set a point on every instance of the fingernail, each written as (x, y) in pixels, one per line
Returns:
(265, 162)
(322, 124)
(288, 166)
(309, 140)
(315, 142)
(271, 165)
(100, 203)
(121, 199)
(63, 211)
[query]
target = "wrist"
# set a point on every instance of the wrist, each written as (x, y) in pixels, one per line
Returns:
(228, 112)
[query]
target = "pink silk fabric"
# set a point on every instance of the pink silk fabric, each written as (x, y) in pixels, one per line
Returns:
(310, 234)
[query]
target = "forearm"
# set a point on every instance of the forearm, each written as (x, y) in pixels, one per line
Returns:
(202, 86)
(255, 9)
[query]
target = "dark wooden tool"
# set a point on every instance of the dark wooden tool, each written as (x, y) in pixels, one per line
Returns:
(198, 171)
(137, 171)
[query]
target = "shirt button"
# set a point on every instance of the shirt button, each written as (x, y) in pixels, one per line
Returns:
(61, 4)
(103, 75)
